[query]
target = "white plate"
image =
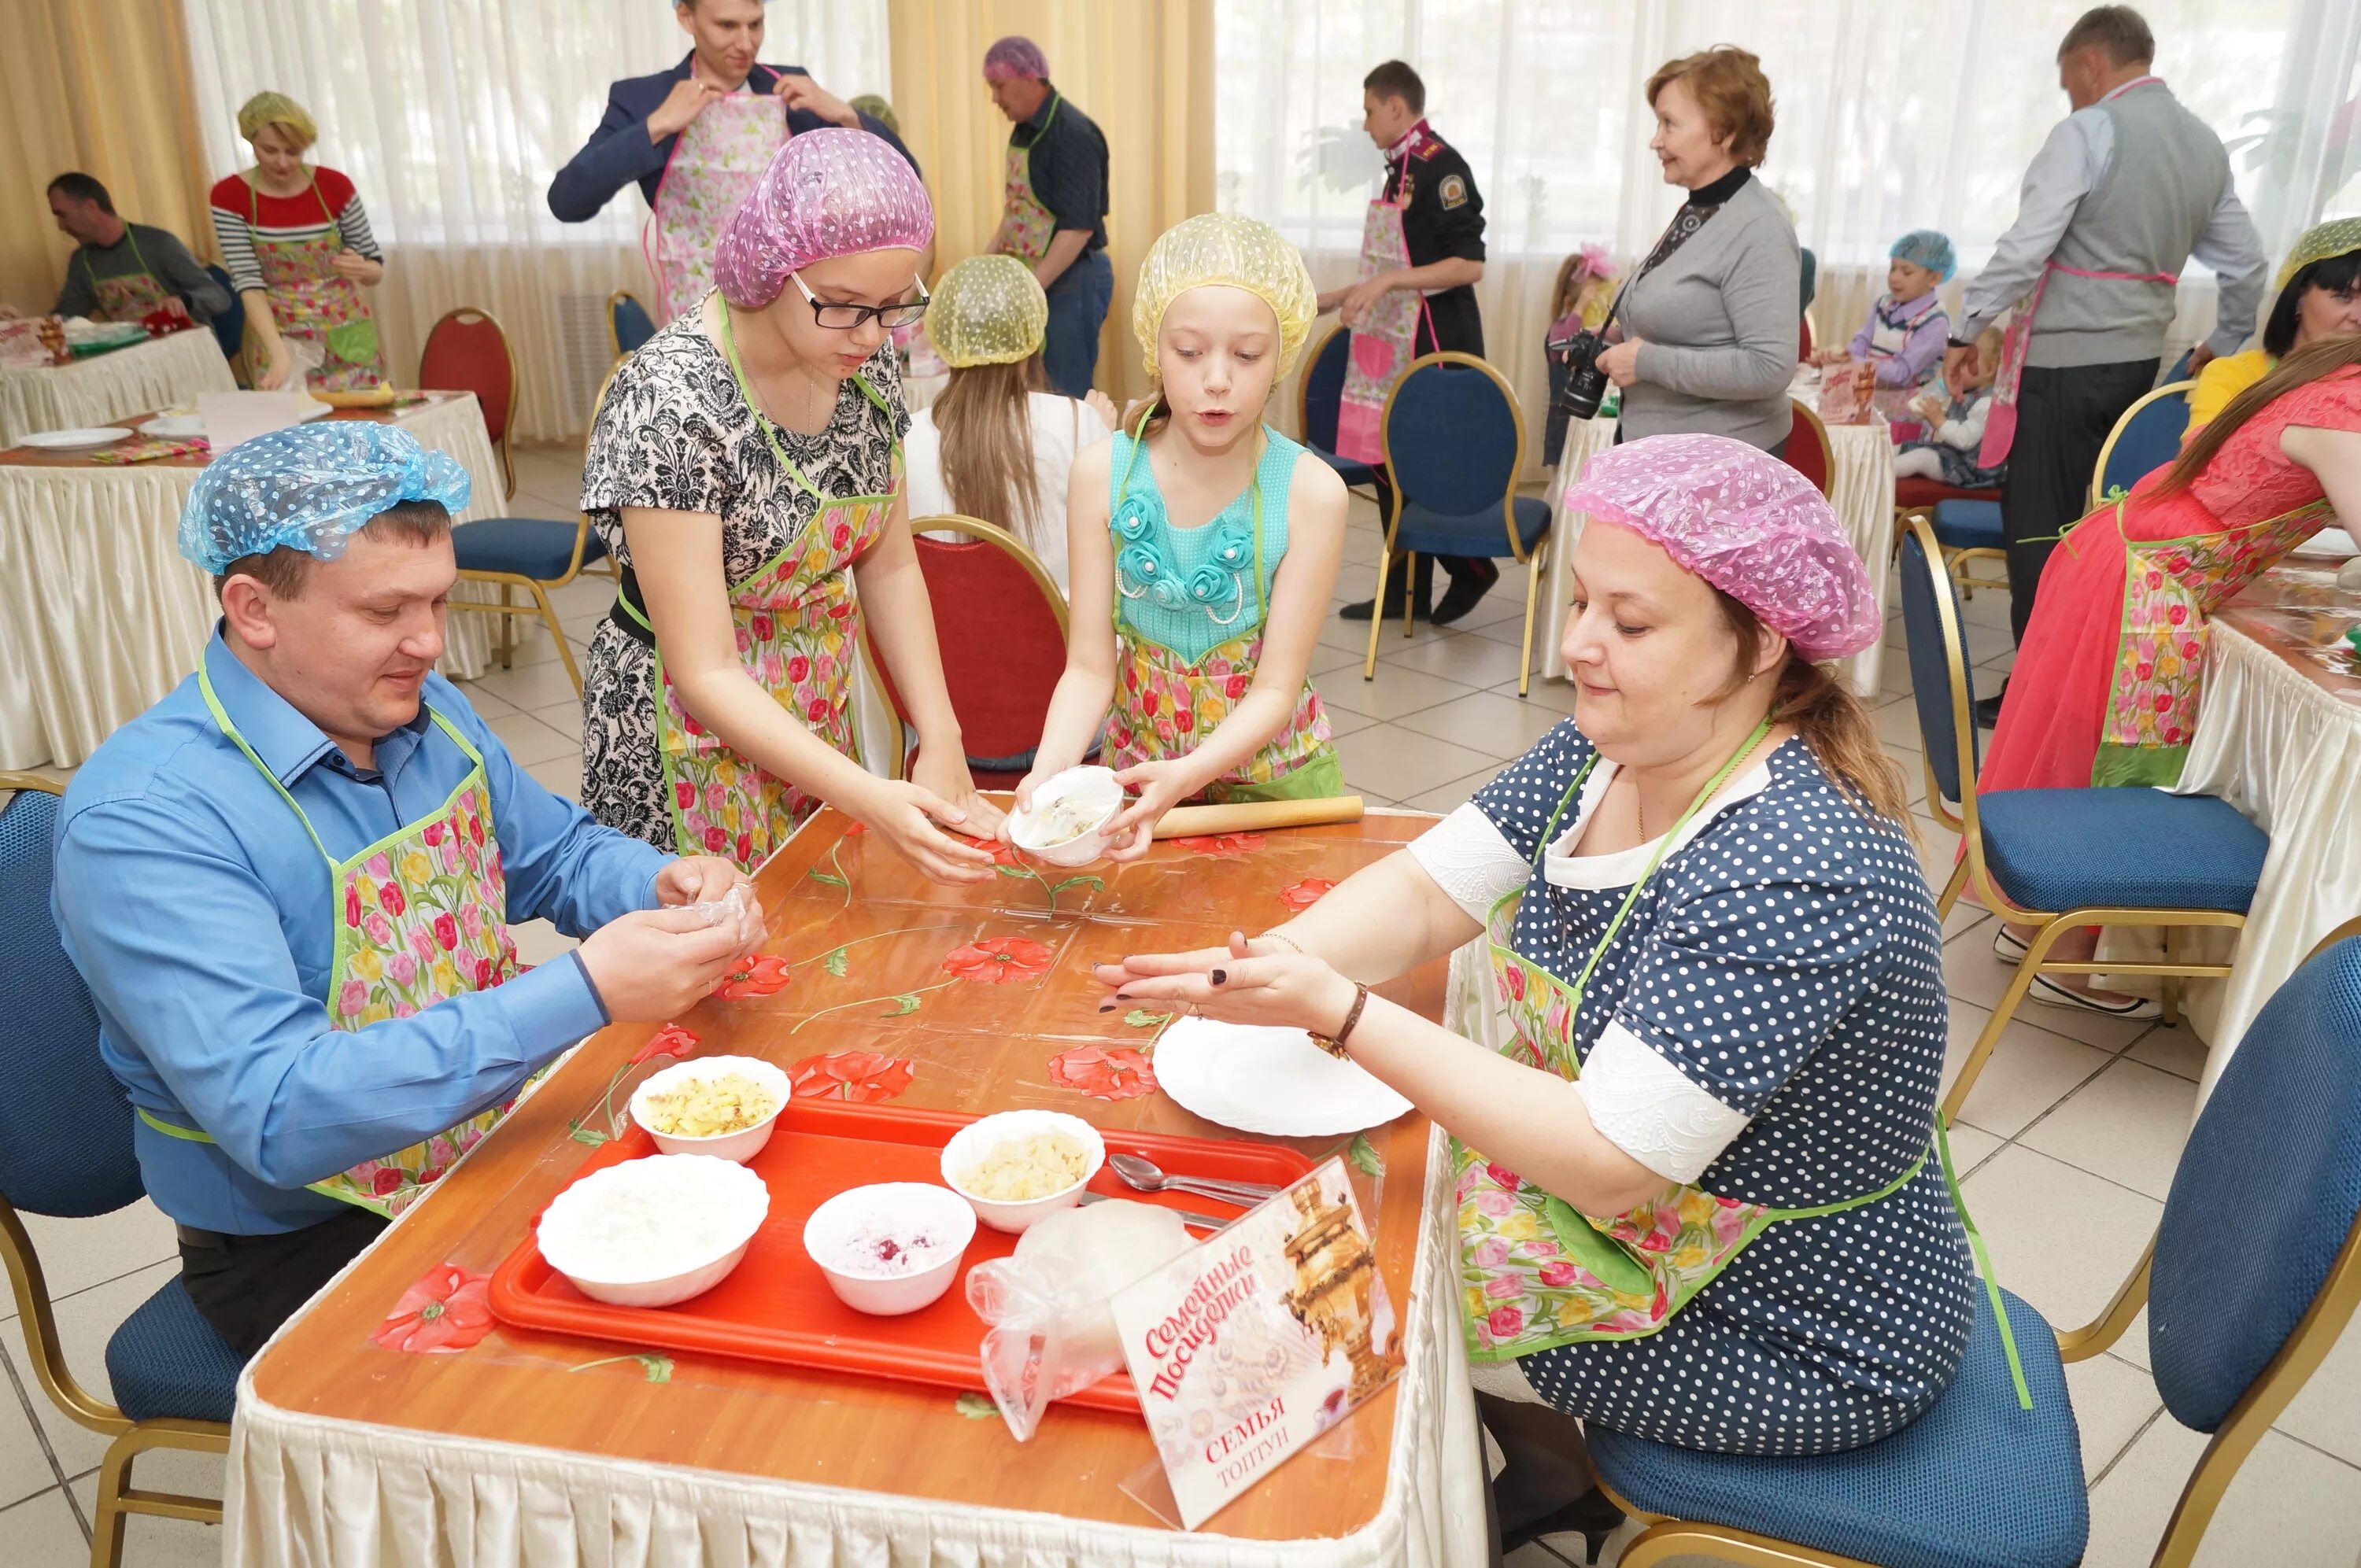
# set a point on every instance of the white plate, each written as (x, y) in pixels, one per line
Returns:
(175, 427)
(78, 440)
(1267, 1081)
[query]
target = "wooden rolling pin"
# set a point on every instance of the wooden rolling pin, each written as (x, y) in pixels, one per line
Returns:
(1250, 816)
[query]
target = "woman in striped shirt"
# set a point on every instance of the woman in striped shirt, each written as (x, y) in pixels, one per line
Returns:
(299, 250)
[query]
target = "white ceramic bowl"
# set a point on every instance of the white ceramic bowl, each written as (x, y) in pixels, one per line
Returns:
(740, 1146)
(690, 1218)
(834, 1223)
(972, 1142)
(1093, 788)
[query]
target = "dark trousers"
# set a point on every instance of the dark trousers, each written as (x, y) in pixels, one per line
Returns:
(2063, 415)
(246, 1286)
(1548, 1463)
(1078, 308)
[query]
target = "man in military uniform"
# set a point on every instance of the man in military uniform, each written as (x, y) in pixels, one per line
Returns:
(1422, 255)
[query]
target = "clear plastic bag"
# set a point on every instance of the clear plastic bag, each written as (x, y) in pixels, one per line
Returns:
(1052, 1333)
(737, 906)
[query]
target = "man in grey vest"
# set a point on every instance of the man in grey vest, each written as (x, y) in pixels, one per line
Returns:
(2127, 188)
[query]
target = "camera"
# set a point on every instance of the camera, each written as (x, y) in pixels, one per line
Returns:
(1585, 383)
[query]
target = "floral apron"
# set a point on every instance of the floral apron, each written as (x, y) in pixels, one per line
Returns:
(133, 296)
(2170, 588)
(717, 159)
(1384, 342)
(1025, 225)
(424, 920)
(1165, 704)
(335, 336)
(2000, 425)
(1887, 339)
(798, 630)
(1535, 1273)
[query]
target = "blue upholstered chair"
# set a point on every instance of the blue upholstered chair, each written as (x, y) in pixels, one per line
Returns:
(1970, 530)
(627, 322)
(2144, 439)
(535, 553)
(2060, 859)
(2254, 1273)
(1321, 394)
(65, 1151)
(229, 327)
(1455, 444)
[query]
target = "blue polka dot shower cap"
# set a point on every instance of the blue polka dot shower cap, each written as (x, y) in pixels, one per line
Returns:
(310, 488)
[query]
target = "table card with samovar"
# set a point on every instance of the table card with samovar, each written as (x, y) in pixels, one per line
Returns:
(1254, 1343)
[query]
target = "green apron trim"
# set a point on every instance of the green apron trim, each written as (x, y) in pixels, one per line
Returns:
(1983, 1265)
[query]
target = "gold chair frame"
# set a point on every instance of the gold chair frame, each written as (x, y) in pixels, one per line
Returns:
(1828, 448)
(2265, 1398)
(1001, 538)
(508, 610)
(2099, 470)
(1974, 873)
(117, 1496)
(1535, 562)
(508, 415)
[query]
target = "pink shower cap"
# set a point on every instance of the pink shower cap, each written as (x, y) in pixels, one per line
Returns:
(1746, 523)
(831, 191)
(1015, 57)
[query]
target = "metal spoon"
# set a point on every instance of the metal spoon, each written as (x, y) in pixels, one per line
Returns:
(1194, 1221)
(1145, 1175)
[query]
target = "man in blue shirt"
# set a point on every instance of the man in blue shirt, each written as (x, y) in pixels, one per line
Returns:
(646, 114)
(288, 884)
(1055, 216)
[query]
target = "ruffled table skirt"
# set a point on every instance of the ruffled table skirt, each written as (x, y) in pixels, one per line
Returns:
(99, 615)
(110, 388)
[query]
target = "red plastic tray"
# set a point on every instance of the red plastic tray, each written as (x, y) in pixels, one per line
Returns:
(776, 1305)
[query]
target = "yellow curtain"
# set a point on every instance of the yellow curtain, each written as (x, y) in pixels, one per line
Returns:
(102, 86)
(1142, 70)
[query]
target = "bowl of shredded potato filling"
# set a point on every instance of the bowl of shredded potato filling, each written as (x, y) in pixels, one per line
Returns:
(1018, 1166)
(725, 1106)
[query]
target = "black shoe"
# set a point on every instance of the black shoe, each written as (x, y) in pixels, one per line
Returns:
(1590, 1515)
(1393, 609)
(1988, 708)
(1467, 589)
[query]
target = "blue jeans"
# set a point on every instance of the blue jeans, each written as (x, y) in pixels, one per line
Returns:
(1078, 308)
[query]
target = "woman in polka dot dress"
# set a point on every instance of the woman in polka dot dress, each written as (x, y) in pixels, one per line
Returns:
(1702, 900)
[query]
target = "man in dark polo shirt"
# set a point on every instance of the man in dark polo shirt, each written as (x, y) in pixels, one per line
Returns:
(1442, 226)
(1055, 218)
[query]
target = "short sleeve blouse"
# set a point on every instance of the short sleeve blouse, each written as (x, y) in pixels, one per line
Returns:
(673, 434)
(2250, 478)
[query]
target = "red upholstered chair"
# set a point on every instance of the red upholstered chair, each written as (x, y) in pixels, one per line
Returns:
(1001, 623)
(1808, 451)
(1804, 340)
(468, 352)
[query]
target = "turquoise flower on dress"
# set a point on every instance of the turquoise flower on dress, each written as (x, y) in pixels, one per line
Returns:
(1233, 548)
(1212, 585)
(1137, 517)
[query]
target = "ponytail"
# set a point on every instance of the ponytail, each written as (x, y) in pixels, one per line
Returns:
(1831, 720)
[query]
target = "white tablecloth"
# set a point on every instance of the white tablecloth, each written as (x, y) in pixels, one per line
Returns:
(1862, 490)
(100, 616)
(2287, 753)
(158, 374)
(317, 1492)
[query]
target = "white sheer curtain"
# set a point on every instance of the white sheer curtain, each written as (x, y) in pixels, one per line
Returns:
(1890, 117)
(451, 116)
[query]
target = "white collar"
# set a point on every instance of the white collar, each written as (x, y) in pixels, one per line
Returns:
(1562, 868)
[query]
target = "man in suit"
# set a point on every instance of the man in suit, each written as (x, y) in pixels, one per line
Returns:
(646, 114)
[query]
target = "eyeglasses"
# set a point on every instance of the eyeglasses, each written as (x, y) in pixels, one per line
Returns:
(839, 316)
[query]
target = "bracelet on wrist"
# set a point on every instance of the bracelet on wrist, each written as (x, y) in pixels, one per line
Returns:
(1334, 1044)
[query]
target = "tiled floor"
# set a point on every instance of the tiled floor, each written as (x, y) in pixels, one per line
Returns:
(2066, 1149)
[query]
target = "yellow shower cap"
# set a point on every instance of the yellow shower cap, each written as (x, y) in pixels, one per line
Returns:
(988, 310)
(275, 109)
(2318, 243)
(1219, 248)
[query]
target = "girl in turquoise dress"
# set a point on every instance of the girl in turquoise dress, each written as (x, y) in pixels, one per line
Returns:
(1203, 554)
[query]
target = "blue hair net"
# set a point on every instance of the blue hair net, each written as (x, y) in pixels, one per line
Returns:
(310, 488)
(1930, 248)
